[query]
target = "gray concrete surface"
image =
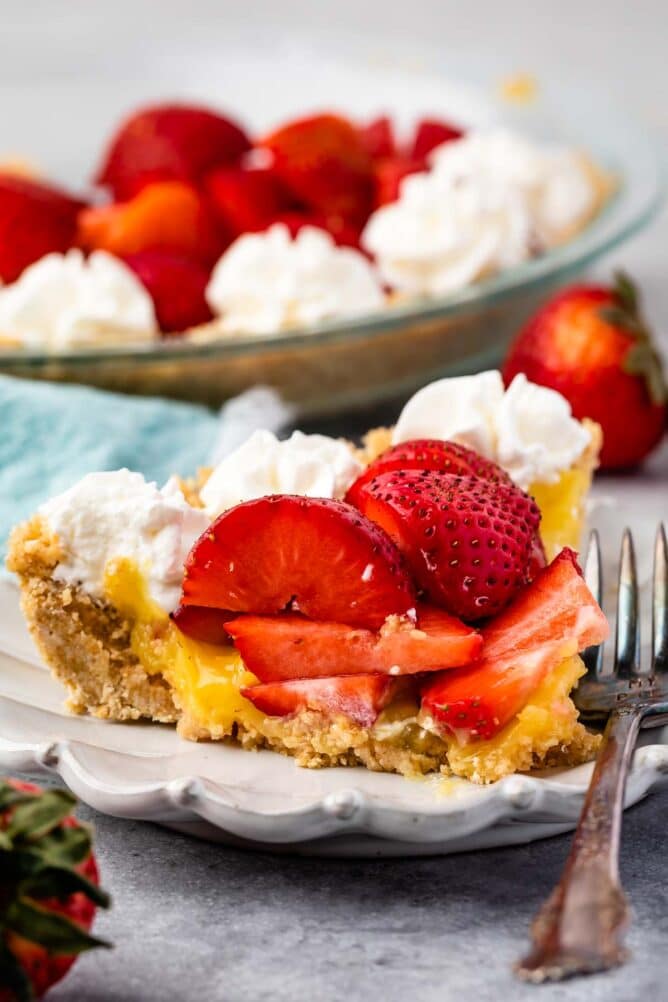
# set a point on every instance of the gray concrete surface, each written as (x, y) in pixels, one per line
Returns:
(196, 921)
(193, 921)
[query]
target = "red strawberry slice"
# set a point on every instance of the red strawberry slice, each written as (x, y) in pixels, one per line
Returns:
(35, 219)
(388, 175)
(168, 142)
(468, 541)
(378, 138)
(429, 454)
(430, 133)
(316, 556)
(282, 647)
(200, 623)
(176, 285)
(246, 200)
(324, 163)
(551, 620)
(359, 697)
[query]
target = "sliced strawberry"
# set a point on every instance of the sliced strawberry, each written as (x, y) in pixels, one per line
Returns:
(430, 133)
(324, 163)
(359, 697)
(167, 216)
(388, 175)
(246, 200)
(200, 623)
(169, 142)
(35, 219)
(468, 541)
(287, 646)
(176, 285)
(429, 454)
(554, 618)
(378, 138)
(316, 556)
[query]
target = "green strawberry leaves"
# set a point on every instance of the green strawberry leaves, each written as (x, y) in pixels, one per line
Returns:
(642, 358)
(39, 860)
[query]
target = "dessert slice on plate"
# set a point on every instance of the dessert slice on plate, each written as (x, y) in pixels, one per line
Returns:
(392, 607)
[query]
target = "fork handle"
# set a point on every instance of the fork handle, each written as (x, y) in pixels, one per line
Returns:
(580, 927)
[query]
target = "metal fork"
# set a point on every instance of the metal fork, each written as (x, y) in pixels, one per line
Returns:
(580, 928)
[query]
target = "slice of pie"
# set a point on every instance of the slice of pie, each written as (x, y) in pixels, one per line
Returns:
(391, 607)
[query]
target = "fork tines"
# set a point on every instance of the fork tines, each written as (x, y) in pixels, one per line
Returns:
(627, 630)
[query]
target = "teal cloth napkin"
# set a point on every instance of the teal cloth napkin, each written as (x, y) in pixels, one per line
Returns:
(51, 435)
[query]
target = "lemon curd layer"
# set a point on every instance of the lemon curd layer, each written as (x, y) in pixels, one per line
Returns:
(207, 679)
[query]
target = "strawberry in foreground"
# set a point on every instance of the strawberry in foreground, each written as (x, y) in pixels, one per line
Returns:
(49, 889)
(35, 219)
(470, 543)
(169, 142)
(428, 454)
(592, 345)
(176, 285)
(324, 162)
(553, 619)
(282, 647)
(358, 697)
(315, 556)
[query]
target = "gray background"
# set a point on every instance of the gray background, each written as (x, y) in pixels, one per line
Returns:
(197, 921)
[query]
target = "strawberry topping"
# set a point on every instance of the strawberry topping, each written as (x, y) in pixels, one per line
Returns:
(176, 285)
(430, 133)
(311, 555)
(359, 697)
(35, 219)
(553, 619)
(247, 200)
(201, 623)
(429, 454)
(468, 541)
(169, 142)
(289, 646)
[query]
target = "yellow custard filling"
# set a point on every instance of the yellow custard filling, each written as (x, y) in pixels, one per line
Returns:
(562, 509)
(206, 679)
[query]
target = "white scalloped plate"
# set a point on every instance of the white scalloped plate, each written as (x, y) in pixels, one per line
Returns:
(261, 799)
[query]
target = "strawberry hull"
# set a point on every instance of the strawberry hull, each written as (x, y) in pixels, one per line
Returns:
(276, 648)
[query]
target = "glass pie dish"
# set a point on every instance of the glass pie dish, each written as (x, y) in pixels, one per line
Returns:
(357, 362)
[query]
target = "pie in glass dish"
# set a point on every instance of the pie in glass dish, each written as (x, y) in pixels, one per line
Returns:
(412, 605)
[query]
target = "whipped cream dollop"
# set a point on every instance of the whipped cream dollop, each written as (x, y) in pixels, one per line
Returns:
(527, 429)
(490, 201)
(310, 465)
(267, 282)
(66, 300)
(110, 515)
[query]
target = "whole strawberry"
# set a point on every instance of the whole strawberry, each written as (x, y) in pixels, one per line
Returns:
(470, 543)
(49, 889)
(592, 345)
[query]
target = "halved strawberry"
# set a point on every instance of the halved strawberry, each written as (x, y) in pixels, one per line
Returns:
(287, 646)
(246, 200)
(315, 556)
(169, 142)
(378, 138)
(468, 541)
(35, 219)
(359, 697)
(200, 623)
(167, 216)
(554, 618)
(429, 454)
(324, 163)
(176, 285)
(388, 175)
(430, 133)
